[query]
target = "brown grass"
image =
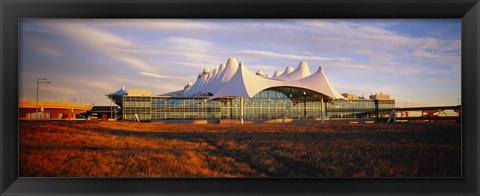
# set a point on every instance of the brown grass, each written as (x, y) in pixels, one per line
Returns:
(130, 149)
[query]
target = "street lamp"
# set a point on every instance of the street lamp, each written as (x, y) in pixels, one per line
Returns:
(304, 104)
(40, 81)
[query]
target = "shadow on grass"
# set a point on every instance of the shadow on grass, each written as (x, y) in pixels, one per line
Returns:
(296, 167)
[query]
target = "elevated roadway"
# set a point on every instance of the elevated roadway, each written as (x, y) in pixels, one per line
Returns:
(56, 110)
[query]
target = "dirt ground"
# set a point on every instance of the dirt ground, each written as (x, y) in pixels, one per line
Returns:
(132, 149)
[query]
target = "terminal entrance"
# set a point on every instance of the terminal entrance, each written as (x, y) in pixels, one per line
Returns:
(274, 103)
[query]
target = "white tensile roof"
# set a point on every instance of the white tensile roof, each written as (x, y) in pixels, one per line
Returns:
(234, 79)
(205, 86)
(276, 74)
(288, 69)
(302, 71)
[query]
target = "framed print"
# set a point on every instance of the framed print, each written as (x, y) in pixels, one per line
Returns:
(230, 120)
(363, 97)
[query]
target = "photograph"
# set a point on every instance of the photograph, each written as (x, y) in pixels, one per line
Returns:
(240, 98)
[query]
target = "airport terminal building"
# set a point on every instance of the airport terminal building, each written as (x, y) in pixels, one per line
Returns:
(231, 91)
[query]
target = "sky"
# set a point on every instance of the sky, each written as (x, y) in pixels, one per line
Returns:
(416, 61)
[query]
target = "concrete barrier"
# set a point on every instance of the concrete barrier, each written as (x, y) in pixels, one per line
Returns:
(271, 121)
(190, 121)
(234, 121)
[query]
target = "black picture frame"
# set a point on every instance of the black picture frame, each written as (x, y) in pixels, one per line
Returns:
(11, 11)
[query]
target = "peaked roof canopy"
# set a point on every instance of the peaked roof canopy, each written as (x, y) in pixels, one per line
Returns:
(122, 91)
(234, 79)
(117, 96)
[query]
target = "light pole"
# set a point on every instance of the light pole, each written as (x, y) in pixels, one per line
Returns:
(39, 81)
(291, 105)
(304, 105)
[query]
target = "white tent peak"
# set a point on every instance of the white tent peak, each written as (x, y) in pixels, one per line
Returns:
(242, 84)
(276, 74)
(303, 64)
(288, 69)
(302, 71)
(236, 80)
(188, 85)
(318, 72)
(260, 73)
(246, 84)
(232, 61)
(232, 66)
(212, 76)
(220, 70)
(221, 67)
(206, 71)
(320, 69)
(303, 67)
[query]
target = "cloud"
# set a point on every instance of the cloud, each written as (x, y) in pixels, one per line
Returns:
(162, 26)
(132, 82)
(186, 51)
(135, 63)
(359, 53)
(104, 86)
(270, 54)
(153, 75)
(48, 50)
(83, 33)
(197, 50)
(383, 48)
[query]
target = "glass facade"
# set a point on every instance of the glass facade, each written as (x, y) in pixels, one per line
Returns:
(361, 108)
(137, 107)
(184, 108)
(268, 104)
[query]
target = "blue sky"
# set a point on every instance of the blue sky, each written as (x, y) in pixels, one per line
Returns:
(87, 58)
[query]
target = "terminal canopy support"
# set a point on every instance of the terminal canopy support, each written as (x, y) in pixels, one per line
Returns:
(241, 110)
(321, 110)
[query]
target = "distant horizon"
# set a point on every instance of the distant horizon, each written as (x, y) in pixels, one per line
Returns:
(409, 59)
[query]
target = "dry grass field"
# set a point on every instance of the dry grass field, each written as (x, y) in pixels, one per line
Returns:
(131, 149)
